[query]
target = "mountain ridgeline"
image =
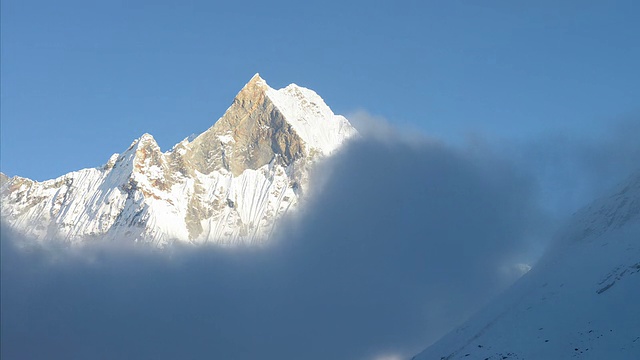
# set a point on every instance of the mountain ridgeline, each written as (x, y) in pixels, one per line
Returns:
(228, 185)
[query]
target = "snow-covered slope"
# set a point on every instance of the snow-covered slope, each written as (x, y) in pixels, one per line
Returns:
(230, 184)
(580, 302)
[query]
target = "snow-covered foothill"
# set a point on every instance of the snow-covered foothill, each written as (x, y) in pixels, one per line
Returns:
(579, 302)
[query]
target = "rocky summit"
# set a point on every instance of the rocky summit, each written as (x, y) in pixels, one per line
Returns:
(229, 185)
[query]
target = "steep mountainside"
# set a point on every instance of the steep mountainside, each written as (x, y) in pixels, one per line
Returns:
(579, 302)
(228, 185)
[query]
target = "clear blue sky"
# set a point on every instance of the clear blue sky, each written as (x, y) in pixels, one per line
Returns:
(82, 79)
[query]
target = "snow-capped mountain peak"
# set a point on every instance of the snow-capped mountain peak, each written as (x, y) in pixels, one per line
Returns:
(311, 118)
(229, 184)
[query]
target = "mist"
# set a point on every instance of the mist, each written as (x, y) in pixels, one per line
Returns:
(572, 171)
(400, 239)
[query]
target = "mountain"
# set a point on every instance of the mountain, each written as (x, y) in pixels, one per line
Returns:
(579, 302)
(228, 185)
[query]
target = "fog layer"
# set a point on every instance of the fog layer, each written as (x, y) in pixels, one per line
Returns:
(400, 240)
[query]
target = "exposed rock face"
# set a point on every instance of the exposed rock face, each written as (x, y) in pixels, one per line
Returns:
(230, 184)
(250, 135)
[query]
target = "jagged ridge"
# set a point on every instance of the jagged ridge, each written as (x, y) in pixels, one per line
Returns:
(230, 184)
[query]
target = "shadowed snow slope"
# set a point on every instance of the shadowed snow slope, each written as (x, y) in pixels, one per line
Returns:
(229, 185)
(579, 302)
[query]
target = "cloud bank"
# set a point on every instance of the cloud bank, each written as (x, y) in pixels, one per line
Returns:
(403, 240)
(571, 170)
